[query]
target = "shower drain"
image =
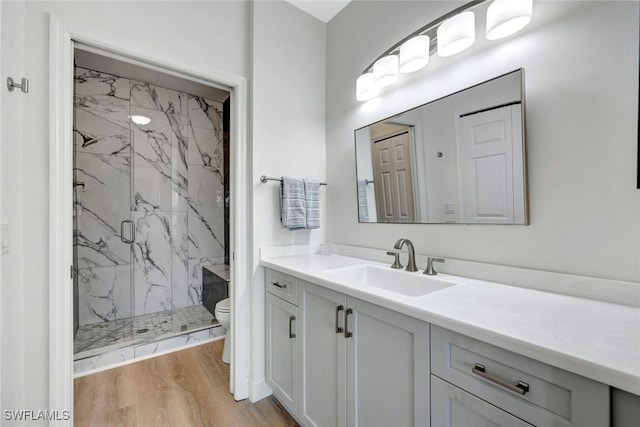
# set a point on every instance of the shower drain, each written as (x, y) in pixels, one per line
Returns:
(142, 331)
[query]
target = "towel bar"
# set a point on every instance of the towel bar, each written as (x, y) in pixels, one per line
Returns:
(264, 179)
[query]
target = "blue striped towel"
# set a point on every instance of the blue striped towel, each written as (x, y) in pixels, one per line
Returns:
(312, 197)
(293, 209)
(363, 205)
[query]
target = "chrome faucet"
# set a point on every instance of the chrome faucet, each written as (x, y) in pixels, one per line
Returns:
(411, 264)
(430, 270)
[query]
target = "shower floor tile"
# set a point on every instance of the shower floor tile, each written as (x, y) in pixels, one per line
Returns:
(107, 336)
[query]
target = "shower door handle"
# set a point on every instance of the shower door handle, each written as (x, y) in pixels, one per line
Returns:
(132, 228)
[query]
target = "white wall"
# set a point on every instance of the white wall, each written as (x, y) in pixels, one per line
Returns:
(217, 34)
(12, 316)
(288, 136)
(581, 74)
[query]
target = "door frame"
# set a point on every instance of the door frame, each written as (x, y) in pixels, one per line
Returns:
(61, 38)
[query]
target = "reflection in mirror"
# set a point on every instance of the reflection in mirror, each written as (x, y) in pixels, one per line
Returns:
(459, 159)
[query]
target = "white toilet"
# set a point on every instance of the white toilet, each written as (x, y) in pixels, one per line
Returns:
(223, 315)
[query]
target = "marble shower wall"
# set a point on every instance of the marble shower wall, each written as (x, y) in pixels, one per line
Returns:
(166, 177)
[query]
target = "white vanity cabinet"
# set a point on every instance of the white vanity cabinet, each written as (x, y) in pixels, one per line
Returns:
(323, 356)
(334, 360)
(387, 367)
(359, 364)
(454, 407)
(282, 338)
(481, 378)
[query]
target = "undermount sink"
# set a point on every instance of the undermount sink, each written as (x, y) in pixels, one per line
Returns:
(398, 281)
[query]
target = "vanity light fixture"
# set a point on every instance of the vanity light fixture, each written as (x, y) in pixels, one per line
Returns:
(414, 54)
(140, 120)
(450, 34)
(385, 71)
(456, 34)
(365, 89)
(505, 17)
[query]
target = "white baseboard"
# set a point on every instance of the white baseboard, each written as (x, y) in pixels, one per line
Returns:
(259, 390)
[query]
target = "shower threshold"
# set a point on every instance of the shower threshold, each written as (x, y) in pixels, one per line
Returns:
(107, 337)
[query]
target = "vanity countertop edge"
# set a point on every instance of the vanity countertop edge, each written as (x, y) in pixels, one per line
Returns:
(594, 339)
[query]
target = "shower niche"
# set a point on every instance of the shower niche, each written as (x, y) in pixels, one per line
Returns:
(150, 184)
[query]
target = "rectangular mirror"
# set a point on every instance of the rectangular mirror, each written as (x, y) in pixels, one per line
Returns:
(459, 159)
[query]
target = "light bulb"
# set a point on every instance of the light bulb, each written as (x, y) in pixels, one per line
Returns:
(140, 120)
(414, 54)
(385, 71)
(505, 17)
(456, 34)
(365, 89)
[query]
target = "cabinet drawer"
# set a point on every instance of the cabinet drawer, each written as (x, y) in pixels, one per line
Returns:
(453, 407)
(282, 285)
(553, 397)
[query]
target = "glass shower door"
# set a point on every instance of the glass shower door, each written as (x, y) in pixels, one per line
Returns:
(103, 227)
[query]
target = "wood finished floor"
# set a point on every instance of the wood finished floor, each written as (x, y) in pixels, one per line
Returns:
(188, 388)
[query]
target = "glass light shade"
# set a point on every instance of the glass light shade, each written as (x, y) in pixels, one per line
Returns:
(385, 71)
(414, 54)
(505, 17)
(365, 89)
(456, 34)
(140, 120)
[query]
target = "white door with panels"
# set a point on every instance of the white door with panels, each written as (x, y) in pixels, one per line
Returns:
(491, 183)
(393, 175)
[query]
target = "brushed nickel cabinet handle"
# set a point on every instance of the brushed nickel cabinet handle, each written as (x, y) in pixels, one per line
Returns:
(339, 328)
(520, 387)
(291, 319)
(279, 285)
(347, 334)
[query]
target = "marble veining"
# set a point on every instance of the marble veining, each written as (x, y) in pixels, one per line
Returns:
(195, 276)
(160, 169)
(107, 359)
(206, 114)
(103, 95)
(179, 260)
(152, 262)
(100, 337)
(105, 294)
(94, 134)
(206, 148)
(102, 203)
(206, 213)
(166, 177)
(158, 98)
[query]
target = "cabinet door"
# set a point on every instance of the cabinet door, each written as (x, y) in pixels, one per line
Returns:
(322, 367)
(454, 407)
(282, 351)
(387, 366)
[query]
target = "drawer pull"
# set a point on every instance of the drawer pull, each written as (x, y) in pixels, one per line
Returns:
(339, 328)
(279, 285)
(521, 387)
(291, 333)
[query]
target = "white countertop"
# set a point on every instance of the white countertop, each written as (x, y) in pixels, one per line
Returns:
(595, 339)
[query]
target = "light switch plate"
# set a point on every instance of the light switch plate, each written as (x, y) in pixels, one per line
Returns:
(449, 208)
(4, 236)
